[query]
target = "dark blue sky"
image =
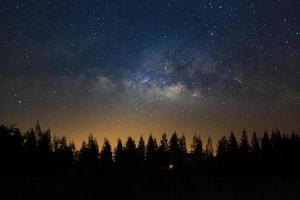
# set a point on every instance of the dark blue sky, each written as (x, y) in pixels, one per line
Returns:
(118, 67)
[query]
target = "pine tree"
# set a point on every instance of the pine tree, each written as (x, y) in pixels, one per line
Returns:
(151, 150)
(83, 153)
(164, 151)
(141, 150)
(106, 153)
(119, 151)
(130, 153)
(244, 146)
(70, 154)
(209, 150)
(266, 145)
(182, 145)
(255, 149)
(164, 147)
(197, 148)
(130, 146)
(222, 149)
(64, 153)
(30, 143)
(89, 152)
(276, 141)
(232, 145)
(38, 129)
(182, 150)
(174, 149)
(93, 148)
(44, 142)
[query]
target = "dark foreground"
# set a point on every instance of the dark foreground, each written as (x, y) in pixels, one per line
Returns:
(34, 165)
(150, 188)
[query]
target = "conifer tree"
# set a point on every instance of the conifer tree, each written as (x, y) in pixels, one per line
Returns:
(164, 151)
(151, 150)
(222, 149)
(244, 146)
(255, 149)
(197, 148)
(106, 153)
(141, 148)
(118, 153)
(209, 150)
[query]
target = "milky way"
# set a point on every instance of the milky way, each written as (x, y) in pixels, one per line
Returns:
(119, 68)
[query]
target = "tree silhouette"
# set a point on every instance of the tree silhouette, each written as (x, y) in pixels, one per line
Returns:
(244, 146)
(164, 146)
(255, 149)
(197, 150)
(232, 144)
(182, 145)
(141, 149)
(89, 153)
(93, 148)
(106, 154)
(64, 154)
(164, 151)
(209, 150)
(38, 129)
(222, 150)
(233, 149)
(244, 150)
(44, 142)
(42, 157)
(16, 140)
(174, 150)
(44, 147)
(130, 155)
(30, 144)
(266, 145)
(276, 140)
(151, 151)
(10, 149)
(30, 151)
(119, 152)
(254, 156)
(266, 150)
(83, 153)
(182, 150)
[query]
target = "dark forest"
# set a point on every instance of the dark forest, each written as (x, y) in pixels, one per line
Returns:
(46, 167)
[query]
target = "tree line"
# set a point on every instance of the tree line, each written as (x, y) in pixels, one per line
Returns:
(36, 153)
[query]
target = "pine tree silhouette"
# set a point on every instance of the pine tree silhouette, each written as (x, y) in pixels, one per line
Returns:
(209, 150)
(174, 150)
(266, 145)
(89, 154)
(182, 150)
(163, 148)
(222, 150)
(119, 153)
(197, 151)
(255, 148)
(106, 154)
(244, 146)
(141, 151)
(151, 151)
(130, 155)
(42, 157)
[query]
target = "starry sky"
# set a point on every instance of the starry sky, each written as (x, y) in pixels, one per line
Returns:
(117, 67)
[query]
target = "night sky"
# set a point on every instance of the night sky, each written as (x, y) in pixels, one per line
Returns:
(117, 68)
